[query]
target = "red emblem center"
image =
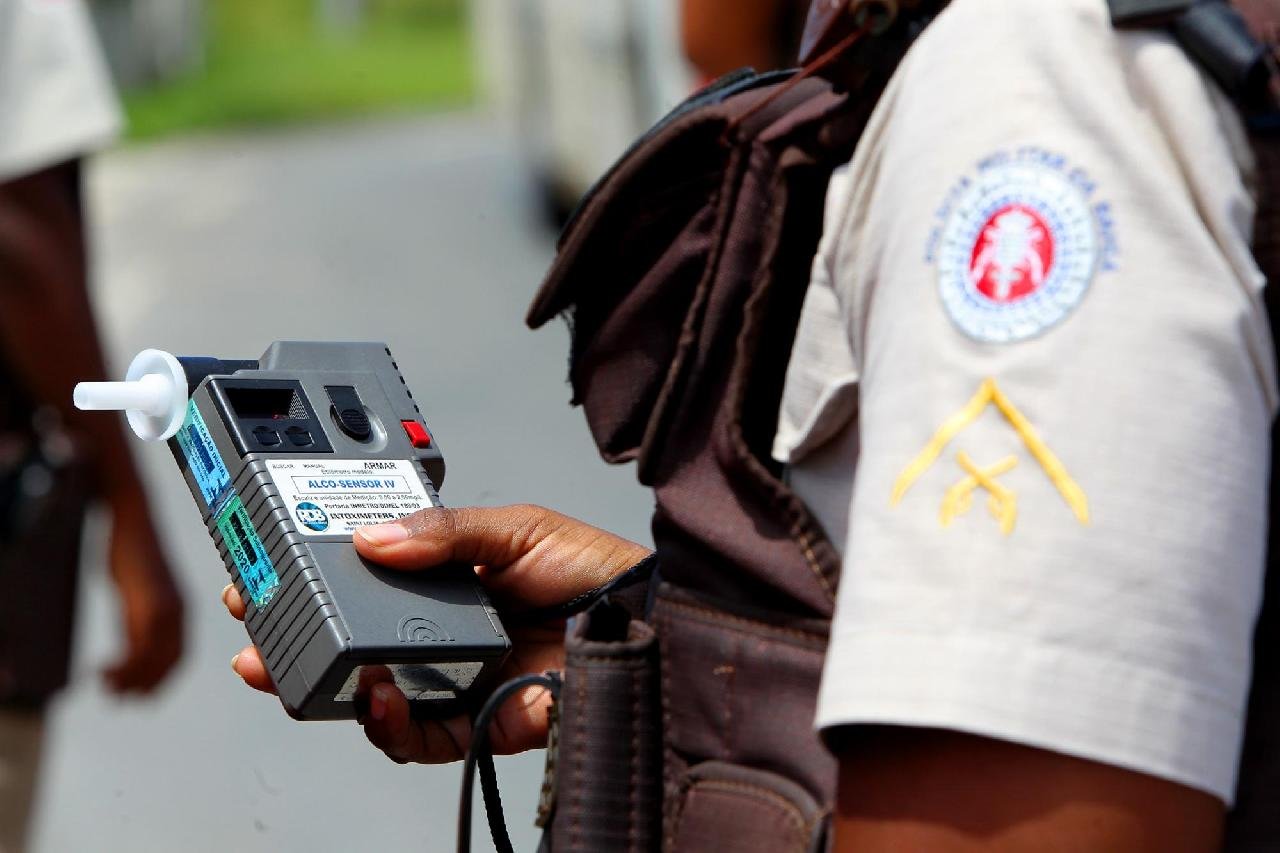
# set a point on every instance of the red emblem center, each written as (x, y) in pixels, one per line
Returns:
(1012, 255)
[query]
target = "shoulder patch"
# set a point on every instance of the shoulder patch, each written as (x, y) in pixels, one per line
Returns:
(1004, 501)
(1018, 245)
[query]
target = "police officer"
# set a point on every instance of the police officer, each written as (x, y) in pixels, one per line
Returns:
(1030, 401)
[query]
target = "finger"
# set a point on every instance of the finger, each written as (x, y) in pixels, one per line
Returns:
(521, 723)
(529, 555)
(389, 727)
(249, 666)
(234, 603)
(430, 537)
(371, 674)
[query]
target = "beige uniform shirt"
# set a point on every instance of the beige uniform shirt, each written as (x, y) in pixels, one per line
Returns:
(1031, 397)
(56, 100)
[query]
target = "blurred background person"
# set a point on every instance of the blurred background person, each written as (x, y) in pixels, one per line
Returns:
(56, 106)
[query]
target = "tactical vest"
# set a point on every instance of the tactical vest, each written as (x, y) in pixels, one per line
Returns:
(686, 713)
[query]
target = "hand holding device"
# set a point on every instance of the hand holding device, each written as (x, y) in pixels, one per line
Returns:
(286, 456)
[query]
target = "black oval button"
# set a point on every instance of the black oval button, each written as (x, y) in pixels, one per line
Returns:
(266, 436)
(348, 411)
(298, 436)
(355, 423)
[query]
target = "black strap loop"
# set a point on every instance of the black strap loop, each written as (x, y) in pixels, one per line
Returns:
(1217, 36)
(638, 574)
(1146, 13)
(479, 754)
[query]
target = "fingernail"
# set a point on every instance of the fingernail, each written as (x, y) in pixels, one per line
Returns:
(226, 589)
(235, 658)
(384, 534)
(377, 704)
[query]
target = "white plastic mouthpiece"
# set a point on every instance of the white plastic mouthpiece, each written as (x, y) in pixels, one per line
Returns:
(153, 395)
(150, 394)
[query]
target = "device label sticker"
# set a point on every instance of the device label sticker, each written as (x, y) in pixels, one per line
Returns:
(247, 552)
(203, 458)
(335, 496)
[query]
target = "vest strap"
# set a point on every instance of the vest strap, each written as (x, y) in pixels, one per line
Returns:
(1146, 13)
(1217, 36)
(629, 590)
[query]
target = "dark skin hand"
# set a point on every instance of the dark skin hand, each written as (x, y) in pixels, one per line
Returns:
(43, 299)
(901, 789)
(527, 557)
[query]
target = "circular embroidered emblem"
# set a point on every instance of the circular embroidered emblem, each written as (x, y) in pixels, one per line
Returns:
(1017, 252)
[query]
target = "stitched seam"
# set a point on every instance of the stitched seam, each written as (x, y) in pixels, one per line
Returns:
(773, 227)
(691, 329)
(747, 624)
(575, 831)
(785, 807)
(633, 817)
(728, 712)
(804, 538)
(668, 764)
(726, 696)
(612, 662)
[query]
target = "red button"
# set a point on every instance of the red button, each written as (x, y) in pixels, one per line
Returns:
(418, 435)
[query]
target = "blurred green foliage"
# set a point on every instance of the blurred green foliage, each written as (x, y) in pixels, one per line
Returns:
(274, 61)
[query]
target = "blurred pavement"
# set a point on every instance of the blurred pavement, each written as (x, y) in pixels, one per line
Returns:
(410, 231)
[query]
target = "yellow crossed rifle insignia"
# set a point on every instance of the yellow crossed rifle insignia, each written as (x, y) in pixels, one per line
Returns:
(1003, 502)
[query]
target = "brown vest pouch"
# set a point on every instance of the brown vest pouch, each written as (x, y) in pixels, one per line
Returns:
(743, 766)
(608, 765)
(683, 275)
(652, 357)
(734, 808)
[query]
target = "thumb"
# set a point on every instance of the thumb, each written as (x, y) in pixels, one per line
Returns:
(497, 536)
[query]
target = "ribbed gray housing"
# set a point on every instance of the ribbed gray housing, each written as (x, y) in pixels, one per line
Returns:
(334, 614)
(302, 604)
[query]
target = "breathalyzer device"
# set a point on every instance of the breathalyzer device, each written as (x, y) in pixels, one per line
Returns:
(285, 457)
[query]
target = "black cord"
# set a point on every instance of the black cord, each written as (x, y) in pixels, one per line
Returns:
(478, 753)
(493, 803)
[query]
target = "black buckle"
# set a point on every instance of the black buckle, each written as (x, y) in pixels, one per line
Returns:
(1215, 35)
(1141, 14)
